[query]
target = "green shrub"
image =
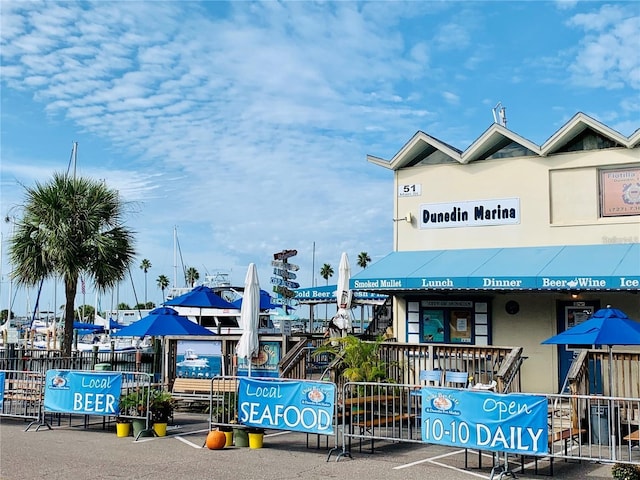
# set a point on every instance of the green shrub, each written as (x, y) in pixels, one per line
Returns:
(625, 471)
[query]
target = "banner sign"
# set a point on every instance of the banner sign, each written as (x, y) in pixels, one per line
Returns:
(287, 405)
(513, 423)
(2, 374)
(87, 393)
(265, 363)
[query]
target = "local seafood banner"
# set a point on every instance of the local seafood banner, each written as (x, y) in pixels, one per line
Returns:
(91, 393)
(287, 405)
(513, 423)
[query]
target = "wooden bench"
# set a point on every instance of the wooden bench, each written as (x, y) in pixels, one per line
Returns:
(383, 420)
(23, 390)
(633, 436)
(198, 389)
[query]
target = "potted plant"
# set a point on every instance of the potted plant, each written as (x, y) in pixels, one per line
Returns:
(359, 360)
(123, 424)
(160, 409)
(134, 404)
(625, 471)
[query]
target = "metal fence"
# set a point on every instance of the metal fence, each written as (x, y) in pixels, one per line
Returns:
(224, 407)
(22, 395)
(580, 427)
(35, 360)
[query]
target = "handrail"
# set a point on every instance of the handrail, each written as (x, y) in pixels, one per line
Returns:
(292, 358)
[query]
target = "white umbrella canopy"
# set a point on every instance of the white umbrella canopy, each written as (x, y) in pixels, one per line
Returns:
(343, 295)
(248, 345)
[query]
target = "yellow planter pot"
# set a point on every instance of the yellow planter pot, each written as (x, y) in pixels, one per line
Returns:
(256, 440)
(123, 429)
(160, 429)
(229, 436)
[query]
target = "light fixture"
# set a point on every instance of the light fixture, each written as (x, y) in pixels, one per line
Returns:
(408, 218)
(575, 294)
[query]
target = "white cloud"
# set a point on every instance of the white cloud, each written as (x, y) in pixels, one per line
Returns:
(608, 55)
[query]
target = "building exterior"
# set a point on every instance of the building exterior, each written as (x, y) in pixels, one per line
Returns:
(508, 243)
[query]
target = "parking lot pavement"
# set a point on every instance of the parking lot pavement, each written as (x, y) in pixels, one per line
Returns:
(94, 451)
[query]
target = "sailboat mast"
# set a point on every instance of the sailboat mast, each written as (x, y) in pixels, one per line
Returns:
(175, 256)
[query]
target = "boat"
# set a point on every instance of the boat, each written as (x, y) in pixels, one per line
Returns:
(191, 360)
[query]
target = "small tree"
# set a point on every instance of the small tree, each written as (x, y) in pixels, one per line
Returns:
(145, 265)
(191, 276)
(326, 272)
(163, 283)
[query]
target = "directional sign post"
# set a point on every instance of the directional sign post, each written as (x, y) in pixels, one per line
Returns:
(283, 264)
(283, 271)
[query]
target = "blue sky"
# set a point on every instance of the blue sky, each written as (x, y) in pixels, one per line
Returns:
(246, 125)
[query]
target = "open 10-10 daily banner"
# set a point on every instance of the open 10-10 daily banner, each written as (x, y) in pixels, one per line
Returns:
(514, 423)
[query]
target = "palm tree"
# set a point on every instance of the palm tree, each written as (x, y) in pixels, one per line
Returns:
(363, 259)
(163, 283)
(191, 276)
(71, 226)
(325, 272)
(145, 265)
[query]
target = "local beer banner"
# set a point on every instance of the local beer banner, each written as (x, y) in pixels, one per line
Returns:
(287, 405)
(513, 423)
(90, 393)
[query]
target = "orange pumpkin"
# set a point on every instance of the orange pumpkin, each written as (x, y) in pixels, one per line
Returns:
(216, 440)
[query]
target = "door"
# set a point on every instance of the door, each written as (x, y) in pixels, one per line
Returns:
(570, 314)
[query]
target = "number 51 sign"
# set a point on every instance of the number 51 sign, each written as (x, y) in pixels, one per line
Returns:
(413, 190)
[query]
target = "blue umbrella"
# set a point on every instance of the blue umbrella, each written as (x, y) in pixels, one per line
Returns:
(265, 301)
(608, 326)
(202, 297)
(162, 322)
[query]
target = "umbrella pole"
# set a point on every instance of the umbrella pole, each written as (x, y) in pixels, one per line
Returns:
(612, 423)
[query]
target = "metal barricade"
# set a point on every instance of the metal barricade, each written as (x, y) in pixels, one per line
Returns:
(378, 411)
(22, 395)
(134, 402)
(224, 403)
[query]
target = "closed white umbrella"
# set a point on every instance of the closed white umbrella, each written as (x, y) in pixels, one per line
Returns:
(248, 345)
(343, 295)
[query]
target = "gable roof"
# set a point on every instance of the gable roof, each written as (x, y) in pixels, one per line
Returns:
(496, 137)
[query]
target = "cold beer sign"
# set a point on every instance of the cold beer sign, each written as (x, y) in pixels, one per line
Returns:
(87, 393)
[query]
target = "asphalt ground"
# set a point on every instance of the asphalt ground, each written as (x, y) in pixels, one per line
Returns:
(78, 451)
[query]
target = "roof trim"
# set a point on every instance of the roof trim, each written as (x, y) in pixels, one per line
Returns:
(574, 127)
(490, 137)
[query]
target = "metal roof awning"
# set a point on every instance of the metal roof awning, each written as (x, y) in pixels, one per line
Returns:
(575, 267)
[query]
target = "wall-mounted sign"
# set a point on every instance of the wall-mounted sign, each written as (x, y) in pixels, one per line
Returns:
(474, 213)
(412, 190)
(620, 192)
